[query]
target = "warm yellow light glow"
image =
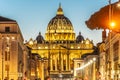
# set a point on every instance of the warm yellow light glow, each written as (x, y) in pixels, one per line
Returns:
(118, 5)
(54, 47)
(91, 61)
(46, 47)
(13, 38)
(72, 47)
(7, 38)
(39, 47)
(112, 25)
(87, 42)
(94, 59)
(31, 42)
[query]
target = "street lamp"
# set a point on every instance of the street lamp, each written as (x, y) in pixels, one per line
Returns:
(118, 5)
(113, 22)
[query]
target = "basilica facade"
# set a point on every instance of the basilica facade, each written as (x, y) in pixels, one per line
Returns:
(59, 51)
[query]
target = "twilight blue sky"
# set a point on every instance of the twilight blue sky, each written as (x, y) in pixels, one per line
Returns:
(33, 16)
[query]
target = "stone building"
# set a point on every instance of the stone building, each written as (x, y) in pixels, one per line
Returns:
(13, 53)
(60, 51)
(112, 46)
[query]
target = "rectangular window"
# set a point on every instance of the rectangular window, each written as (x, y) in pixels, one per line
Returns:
(7, 29)
(6, 67)
(116, 50)
(7, 56)
(54, 67)
(64, 67)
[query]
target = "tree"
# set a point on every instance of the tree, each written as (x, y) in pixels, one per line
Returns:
(101, 18)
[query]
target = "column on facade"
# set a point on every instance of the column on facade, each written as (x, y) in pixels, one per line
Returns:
(94, 71)
(110, 56)
(112, 74)
(62, 58)
(51, 60)
(42, 70)
(119, 60)
(66, 63)
(75, 72)
(69, 63)
(55, 62)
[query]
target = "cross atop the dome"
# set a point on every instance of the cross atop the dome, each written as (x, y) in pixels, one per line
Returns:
(60, 11)
(59, 5)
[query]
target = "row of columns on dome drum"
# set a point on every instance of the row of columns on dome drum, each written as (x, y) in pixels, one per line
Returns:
(60, 36)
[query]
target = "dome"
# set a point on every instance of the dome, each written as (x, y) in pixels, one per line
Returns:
(60, 28)
(79, 38)
(40, 38)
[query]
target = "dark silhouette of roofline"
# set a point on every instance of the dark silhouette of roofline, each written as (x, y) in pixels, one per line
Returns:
(6, 19)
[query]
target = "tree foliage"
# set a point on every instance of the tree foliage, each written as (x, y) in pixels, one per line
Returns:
(101, 18)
